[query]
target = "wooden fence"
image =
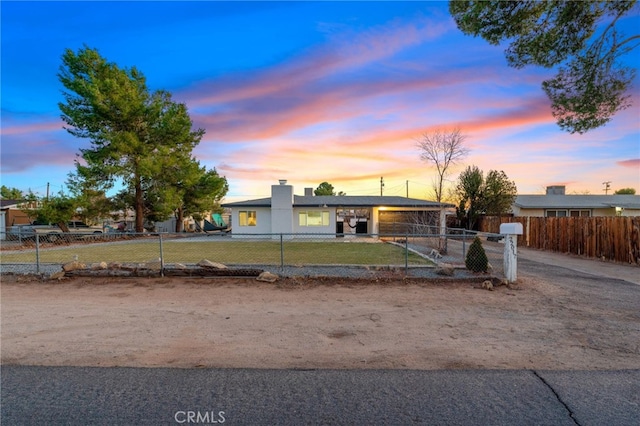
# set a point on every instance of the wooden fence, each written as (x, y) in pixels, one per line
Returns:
(614, 239)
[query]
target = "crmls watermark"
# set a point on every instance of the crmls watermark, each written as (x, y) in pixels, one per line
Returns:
(199, 417)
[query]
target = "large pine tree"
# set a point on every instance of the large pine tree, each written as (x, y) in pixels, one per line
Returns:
(136, 135)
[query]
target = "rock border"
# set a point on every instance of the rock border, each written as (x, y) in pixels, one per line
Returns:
(154, 268)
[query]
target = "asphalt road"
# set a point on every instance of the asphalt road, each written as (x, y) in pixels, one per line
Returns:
(134, 396)
(538, 262)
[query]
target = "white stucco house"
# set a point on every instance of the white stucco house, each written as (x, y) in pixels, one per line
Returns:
(287, 214)
(555, 203)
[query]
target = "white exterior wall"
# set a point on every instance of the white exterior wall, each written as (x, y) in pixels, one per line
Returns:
(374, 223)
(631, 212)
(263, 223)
(528, 212)
(606, 211)
(3, 225)
(611, 211)
(168, 225)
(330, 229)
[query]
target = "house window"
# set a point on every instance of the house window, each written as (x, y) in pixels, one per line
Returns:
(313, 218)
(556, 213)
(247, 218)
(580, 213)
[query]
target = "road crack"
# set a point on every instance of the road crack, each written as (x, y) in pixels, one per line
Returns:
(566, 407)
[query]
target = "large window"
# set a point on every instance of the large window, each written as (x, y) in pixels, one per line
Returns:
(556, 213)
(313, 218)
(580, 213)
(565, 213)
(247, 218)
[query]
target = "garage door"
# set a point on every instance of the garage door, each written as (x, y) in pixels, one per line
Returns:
(401, 222)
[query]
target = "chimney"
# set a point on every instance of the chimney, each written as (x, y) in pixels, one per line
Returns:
(282, 208)
(308, 192)
(556, 190)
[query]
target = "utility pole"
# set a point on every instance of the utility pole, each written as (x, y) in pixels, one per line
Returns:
(407, 189)
(381, 185)
(607, 186)
(47, 191)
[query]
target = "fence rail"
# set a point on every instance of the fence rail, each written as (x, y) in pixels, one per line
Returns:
(407, 251)
(608, 238)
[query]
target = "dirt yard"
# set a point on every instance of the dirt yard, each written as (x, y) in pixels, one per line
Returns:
(239, 322)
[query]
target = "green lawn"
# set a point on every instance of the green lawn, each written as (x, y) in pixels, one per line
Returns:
(227, 252)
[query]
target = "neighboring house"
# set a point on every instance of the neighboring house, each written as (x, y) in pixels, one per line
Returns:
(286, 213)
(555, 203)
(10, 214)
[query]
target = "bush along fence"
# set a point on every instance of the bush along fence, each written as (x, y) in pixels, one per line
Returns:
(415, 254)
(614, 239)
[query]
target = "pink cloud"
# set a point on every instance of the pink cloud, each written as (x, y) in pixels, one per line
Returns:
(633, 164)
(46, 126)
(346, 52)
(40, 151)
(319, 86)
(300, 107)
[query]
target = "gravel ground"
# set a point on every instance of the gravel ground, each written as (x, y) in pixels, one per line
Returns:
(29, 268)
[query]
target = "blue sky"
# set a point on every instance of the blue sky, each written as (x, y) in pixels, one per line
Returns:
(308, 92)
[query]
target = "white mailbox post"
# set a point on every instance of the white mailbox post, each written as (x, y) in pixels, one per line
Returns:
(511, 232)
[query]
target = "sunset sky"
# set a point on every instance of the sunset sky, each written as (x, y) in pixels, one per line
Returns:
(308, 92)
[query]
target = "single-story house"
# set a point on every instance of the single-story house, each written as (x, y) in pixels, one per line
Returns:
(11, 214)
(555, 203)
(288, 214)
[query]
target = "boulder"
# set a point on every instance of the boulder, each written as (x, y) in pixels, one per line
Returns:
(488, 285)
(57, 276)
(73, 266)
(445, 269)
(98, 266)
(204, 263)
(267, 277)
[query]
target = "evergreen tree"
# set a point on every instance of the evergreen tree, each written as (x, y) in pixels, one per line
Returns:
(7, 193)
(476, 259)
(325, 188)
(478, 195)
(136, 136)
(582, 38)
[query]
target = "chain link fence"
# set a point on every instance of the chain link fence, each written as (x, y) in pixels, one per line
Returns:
(414, 253)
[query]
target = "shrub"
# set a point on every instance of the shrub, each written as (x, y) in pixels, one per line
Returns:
(476, 259)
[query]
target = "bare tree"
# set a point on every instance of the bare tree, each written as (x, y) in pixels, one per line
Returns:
(442, 149)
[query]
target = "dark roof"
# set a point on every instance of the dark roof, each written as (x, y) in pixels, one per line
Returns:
(344, 201)
(577, 201)
(260, 202)
(9, 203)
